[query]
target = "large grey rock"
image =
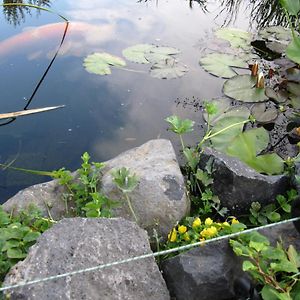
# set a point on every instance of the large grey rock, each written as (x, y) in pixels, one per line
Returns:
(78, 243)
(238, 185)
(209, 272)
(159, 200)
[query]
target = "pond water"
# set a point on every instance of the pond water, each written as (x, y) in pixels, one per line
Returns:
(103, 115)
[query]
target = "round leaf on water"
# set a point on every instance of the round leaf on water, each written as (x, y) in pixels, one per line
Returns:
(159, 53)
(100, 63)
(293, 88)
(242, 88)
(221, 64)
(264, 114)
(277, 46)
(221, 141)
(168, 69)
(164, 50)
(236, 37)
(293, 74)
(137, 53)
(279, 33)
(279, 97)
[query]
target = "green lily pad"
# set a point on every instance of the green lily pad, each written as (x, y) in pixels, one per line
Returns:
(264, 114)
(221, 64)
(242, 88)
(236, 37)
(248, 144)
(168, 69)
(100, 63)
(278, 33)
(279, 97)
(293, 88)
(159, 53)
(137, 52)
(277, 46)
(221, 141)
(293, 50)
(293, 74)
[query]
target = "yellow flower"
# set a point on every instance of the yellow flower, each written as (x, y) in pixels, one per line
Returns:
(202, 240)
(172, 236)
(234, 221)
(196, 223)
(208, 221)
(209, 232)
(182, 229)
(226, 224)
(186, 237)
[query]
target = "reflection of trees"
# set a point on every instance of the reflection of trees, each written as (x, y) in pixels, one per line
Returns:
(263, 13)
(15, 14)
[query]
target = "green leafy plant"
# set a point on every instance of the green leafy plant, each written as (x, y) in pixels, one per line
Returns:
(18, 232)
(275, 269)
(84, 189)
(126, 182)
(273, 212)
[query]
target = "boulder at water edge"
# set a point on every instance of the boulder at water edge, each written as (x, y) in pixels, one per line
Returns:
(237, 185)
(78, 243)
(159, 200)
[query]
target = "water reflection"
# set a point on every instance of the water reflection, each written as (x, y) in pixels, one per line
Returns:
(16, 14)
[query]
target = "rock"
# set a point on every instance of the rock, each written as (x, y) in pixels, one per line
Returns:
(78, 243)
(238, 185)
(210, 272)
(159, 200)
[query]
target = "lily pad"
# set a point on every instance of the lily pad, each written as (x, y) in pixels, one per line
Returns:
(293, 50)
(277, 46)
(242, 88)
(137, 52)
(264, 114)
(221, 141)
(293, 74)
(278, 33)
(100, 63)
(168, 69)
(293, 88)
(248, 144)
(236, 37)
(279, 97)
(221, 64)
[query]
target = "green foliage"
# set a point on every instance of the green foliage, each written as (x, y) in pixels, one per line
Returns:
(236, 37)
(126, 182)
(17, 234)
(180, 126)
(276, 269)
(84, 189)
(292, 6)
(273, 212)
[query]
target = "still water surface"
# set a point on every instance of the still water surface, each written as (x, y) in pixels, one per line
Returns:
(103, 115)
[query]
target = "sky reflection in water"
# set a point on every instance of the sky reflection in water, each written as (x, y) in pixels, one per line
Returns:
(104, 115)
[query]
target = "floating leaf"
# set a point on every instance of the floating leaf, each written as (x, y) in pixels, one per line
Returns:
(221, 141)
(221, 64)
(293, 50)
(100, 63)
(28, 112)
(278, 33)
(137, 53)
(236, 37)
(279, 97)
(168, 69)
(264, 114)
(242, 88)
(248, 144)
(293, 74)
(277, 46)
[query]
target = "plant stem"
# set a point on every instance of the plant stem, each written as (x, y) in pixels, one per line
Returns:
(130, 207)
(181, 141)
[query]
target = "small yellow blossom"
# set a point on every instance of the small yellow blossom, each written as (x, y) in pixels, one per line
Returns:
(208, 221)
(226, 224)
(209, 232)
(182, 229)
(235, 221)
(172, 236)
(202, 240)
(196, 223)
(186, 237)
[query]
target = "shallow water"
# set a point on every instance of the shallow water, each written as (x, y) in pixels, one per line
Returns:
(103, 115)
